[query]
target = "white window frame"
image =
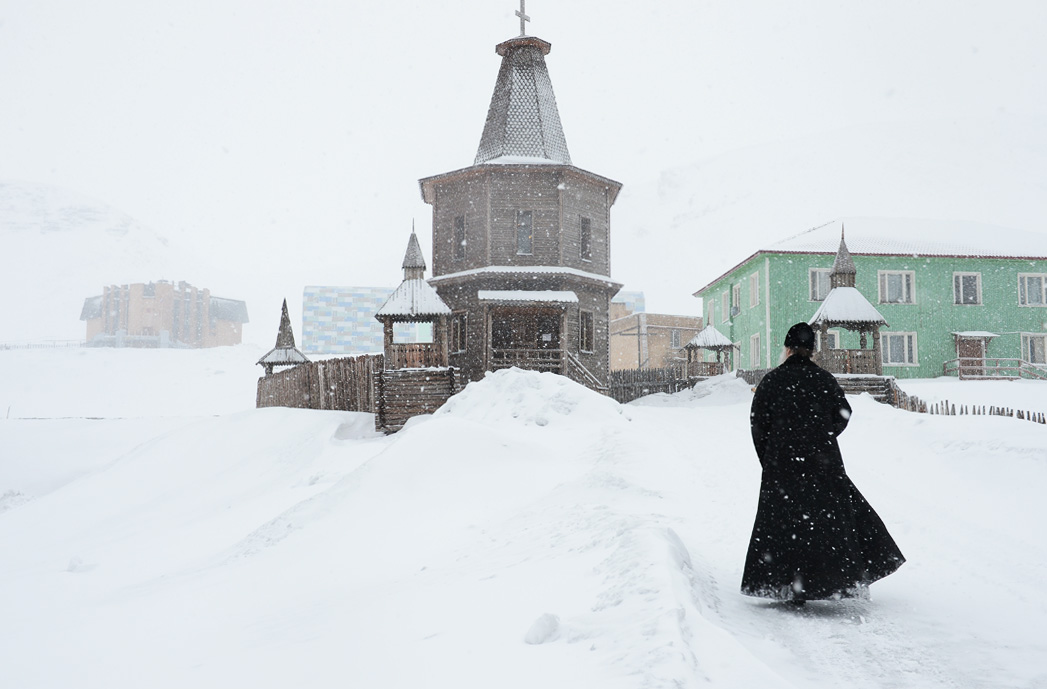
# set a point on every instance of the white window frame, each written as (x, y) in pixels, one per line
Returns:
(674, 338)
(834, 334)
(812, 274)
(755, 351)
(957, 297)
(725, 306)
(709, 316)
(754, 289)
(1027, 348)
(908, 286)
(911, 347)
(1023, 289)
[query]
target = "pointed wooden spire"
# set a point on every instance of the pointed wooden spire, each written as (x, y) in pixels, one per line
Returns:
(285, 337)
(844, 272)
(414, 262)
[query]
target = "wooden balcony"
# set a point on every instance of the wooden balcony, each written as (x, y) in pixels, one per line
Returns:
(852, 361)
(705, 369)
(528, 359)
(413, 355)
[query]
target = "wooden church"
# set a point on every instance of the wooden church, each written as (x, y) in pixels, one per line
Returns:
(522, 237)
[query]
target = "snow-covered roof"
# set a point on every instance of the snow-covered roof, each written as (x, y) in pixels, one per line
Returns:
(413, 257)
(522, 120)
(283, 355)
(527, 295)
(524, 270)
(414, 298)
(520, 160)
(906, 237)
(846, 305)
(976, 333)
(709, 338)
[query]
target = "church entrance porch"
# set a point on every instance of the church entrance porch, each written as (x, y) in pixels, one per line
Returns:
(525, 337)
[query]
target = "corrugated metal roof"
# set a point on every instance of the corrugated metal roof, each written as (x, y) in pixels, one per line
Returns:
(709, 338)
(905, 237)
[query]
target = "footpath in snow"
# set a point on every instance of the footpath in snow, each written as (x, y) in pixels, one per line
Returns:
(530, 533)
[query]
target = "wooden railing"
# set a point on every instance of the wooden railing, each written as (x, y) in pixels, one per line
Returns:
(706, 369)
(414, 355)
(968, 368)
(528, 359)
(859, 361)
(577, 372)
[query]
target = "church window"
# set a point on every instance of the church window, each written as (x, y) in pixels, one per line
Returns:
(459, 236)
(524, 233)
(586, 240)
(586, 331)
(458, 323)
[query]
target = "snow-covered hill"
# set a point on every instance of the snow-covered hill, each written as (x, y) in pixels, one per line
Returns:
(530, 533)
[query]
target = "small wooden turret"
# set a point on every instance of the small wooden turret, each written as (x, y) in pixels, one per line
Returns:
(284, 353)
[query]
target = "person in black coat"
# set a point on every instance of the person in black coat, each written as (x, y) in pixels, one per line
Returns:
(815, 536)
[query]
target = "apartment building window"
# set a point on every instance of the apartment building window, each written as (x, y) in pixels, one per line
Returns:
(585, 331)
(967, 288)
(725, 306)
(586, 239)
(754, 351)
(898, 349)
(896, 286)
(736, 300)
(819, 281)
(754, 290)
(458, 332)
(1034, 348)
(1031, 289)
(709, 316)
(832, 339)
(524, 233)
(459, 236)
(674, 338)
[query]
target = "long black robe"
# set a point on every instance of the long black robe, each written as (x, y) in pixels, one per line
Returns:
(815, 536)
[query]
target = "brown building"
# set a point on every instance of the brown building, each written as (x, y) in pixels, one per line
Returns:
(162, 314)
(649, 340)
(521, 239)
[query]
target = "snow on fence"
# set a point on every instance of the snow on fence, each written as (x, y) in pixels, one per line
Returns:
(344, 384)
(902, 400)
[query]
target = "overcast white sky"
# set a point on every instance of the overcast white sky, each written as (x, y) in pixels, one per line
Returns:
(233, 126)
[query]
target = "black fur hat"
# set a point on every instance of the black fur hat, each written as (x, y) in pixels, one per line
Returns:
(800, 335)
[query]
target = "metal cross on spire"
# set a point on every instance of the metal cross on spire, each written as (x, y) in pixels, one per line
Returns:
(522, 14)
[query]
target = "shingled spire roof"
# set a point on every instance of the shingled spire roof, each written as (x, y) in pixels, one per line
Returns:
(523, 121)
(414, 261)
(284, 353)
(843, 272)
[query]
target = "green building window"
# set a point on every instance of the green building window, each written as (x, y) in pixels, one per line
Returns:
(1034, 349)
(820, 285)
(899, 349)
(896, 287)
(1031, 289)
(967, 288)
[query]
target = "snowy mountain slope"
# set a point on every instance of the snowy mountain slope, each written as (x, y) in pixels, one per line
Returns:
(60, 247)
(528, 533)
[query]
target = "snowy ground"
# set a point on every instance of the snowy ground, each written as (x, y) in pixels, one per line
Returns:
(158, 531)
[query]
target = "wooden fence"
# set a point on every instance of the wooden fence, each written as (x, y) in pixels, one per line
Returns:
(346, 384)
(626, 386)
(900, 399)
(407, 393)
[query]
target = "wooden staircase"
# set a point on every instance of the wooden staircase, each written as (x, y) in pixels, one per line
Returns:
(880, 387)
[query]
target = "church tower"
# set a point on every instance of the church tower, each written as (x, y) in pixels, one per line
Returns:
(521, 238)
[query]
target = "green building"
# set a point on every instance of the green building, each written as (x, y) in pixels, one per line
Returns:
(947, 290)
